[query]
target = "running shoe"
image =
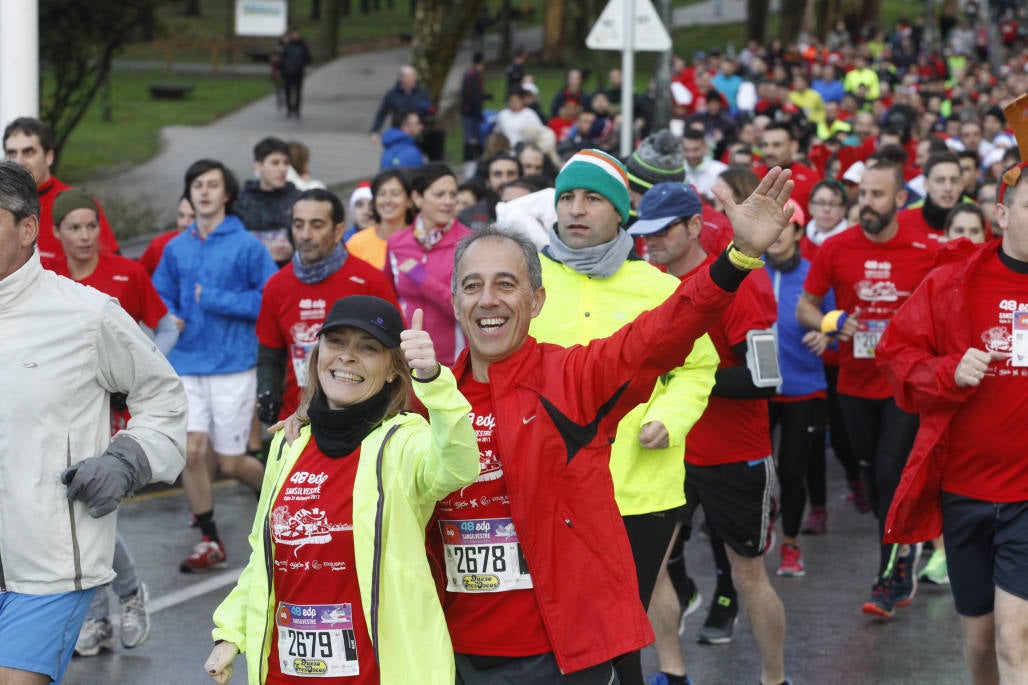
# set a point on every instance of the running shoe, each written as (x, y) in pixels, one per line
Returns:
(206, 555)
(792, 562)
(96, 634)
(135, 621)
(934, 572)
(881, 602)
(691, 607)
(816, 523)
(904, 576)
(859, 490)
(720, 623)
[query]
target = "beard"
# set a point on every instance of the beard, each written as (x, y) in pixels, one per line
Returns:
(873, 222)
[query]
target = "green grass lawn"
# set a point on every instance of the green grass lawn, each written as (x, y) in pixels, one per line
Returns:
(131, 137)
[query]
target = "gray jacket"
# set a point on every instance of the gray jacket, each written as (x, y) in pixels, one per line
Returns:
(64, 348)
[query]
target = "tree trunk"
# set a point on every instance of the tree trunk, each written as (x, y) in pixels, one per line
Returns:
(809, 24)
(791, 20)
(506, 32)
(662, 76)
(328, 36)
(553, 32)
(315, 10)
(438, 34)
(756, 20)
(870, 12)
(191, 8)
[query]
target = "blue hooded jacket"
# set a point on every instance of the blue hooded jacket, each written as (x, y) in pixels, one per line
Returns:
(802, 370)
(400, 151)
(231, 267)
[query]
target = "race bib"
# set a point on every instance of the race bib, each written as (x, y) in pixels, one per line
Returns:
(316, 640)
(483, 555)
(299, 355)
(865, 340)
(1019, 341)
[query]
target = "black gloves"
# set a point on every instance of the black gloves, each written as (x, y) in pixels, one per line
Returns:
(268, 407)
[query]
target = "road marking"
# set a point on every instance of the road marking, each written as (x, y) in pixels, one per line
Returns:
(209, 584)
(171, 492)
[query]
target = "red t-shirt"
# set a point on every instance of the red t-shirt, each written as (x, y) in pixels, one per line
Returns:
(49, 245)
(803, 176)
(746, 421)
(155, 250)
(123, 279)
(319, 627)
(878, 278)
(292, 313)
(914, 218)
(490, 605)
(986, 460)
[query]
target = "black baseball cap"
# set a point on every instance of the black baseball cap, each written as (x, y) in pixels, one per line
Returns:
(373, 315)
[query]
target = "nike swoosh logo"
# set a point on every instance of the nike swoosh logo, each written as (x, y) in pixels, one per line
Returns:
(32, 365)
(528, 419)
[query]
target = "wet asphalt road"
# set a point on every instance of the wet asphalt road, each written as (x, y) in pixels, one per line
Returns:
(828, 640)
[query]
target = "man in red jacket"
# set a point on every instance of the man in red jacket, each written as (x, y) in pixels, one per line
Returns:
(29, 143)
(539, 577)
(873, 268)
(956, 353)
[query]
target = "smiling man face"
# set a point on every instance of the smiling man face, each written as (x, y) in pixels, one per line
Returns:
(495, 297)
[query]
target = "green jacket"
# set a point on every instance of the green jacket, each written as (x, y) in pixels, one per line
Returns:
(406, 466)
(579, 309)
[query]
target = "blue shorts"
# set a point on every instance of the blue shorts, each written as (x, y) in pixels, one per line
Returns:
(38, 632)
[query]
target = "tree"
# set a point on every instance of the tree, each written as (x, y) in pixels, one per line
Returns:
(439, 30)
(791, 21)
(553, 32)
(76, 49)
(756, 20)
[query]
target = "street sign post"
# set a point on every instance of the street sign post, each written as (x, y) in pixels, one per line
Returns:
(628, 25)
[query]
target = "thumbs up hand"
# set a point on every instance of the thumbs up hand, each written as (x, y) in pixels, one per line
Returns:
(417, 347)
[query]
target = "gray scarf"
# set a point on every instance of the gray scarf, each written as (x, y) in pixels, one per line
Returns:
(601, 261)
(322, 269)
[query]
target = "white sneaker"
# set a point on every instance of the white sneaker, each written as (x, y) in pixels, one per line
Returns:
(96, 634)
(135, 621)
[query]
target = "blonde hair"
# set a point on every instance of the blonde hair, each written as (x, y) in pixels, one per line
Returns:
(402, 385)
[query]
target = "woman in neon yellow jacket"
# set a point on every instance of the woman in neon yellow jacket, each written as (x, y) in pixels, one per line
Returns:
(338, 587)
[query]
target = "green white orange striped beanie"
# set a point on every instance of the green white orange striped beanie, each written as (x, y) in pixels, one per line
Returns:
(597, 171)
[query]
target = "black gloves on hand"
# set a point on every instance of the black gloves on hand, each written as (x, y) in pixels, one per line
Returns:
(268, 407)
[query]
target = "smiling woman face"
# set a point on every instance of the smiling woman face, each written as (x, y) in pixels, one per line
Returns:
(391, 202)
(352, 366)
(438, 204)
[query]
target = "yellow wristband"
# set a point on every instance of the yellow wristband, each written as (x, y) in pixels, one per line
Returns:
(743, 261)
(832, 322)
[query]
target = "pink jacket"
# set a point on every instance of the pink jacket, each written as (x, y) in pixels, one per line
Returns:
(422, 280)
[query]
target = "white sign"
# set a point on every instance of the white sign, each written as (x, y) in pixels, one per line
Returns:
(608, 33)
(261, 17)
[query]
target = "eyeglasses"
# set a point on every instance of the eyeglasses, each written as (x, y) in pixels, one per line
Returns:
(826, 204)
(662, 233)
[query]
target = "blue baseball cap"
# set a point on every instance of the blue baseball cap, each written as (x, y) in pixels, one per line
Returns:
(663, 205)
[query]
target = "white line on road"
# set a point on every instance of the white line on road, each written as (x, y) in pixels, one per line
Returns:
(195, 590)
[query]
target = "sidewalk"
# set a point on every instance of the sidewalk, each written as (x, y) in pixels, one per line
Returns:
(340, 100)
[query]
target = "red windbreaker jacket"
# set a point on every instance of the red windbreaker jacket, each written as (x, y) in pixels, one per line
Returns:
(919, 353)
(557, 411)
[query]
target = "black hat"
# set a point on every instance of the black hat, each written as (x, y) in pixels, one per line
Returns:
(658, 159)
(373, 315)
